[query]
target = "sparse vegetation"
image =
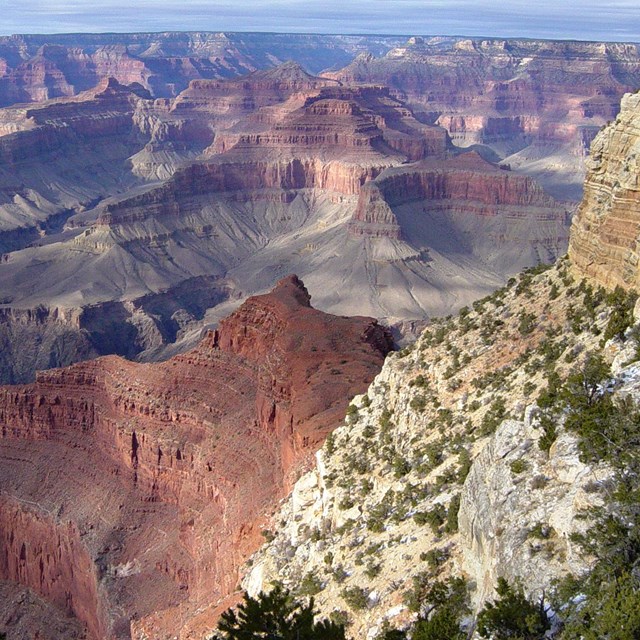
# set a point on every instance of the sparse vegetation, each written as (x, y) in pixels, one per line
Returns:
(397, 475)
(512, 615)
(355, 597)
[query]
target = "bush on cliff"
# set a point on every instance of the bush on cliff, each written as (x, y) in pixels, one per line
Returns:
(513, 616)
(275, 616)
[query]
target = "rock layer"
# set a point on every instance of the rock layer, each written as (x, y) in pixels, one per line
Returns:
(465, 191)
(606, 229)
(174, 465)
(35, 68)
(535, 105)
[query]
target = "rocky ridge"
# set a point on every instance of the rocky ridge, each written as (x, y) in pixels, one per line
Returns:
(438, 469)
(451, 464)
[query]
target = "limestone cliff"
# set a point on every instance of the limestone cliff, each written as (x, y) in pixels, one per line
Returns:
(439, 469)
(606, 228)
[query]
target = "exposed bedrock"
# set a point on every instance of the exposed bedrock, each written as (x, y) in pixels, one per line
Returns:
(174, 465)
(535, 105)
(464, 193)
(39, 338)
(237, 180)
(475, 83)
(38, 553)
(606, 229)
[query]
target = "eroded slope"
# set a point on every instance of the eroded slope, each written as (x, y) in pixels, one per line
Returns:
(131, 493)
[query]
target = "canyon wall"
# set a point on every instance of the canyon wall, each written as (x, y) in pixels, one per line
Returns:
(534, 105)
(468, 186)
(604, 239)
(34, 68)
(174, 465)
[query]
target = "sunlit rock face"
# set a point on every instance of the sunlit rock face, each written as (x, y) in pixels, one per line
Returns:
(604, 241)
(535, 105)
(146, 485)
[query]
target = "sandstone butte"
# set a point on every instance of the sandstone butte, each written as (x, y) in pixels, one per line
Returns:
(132, 493)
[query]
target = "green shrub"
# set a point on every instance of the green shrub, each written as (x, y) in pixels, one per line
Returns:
(495, 415)
(464, 461)
(276, 615)
(310, 585)
(541, 531)
(518, 466)
(549, 432)
(355, 597)
(621, 317)
(526, 323)
(451, 525)
(512, 616)
(401, 466)
(435, 558)
(372, 570)
(446, 605)
(352, 414)
(435, 517)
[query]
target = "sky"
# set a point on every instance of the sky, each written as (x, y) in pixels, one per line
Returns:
(616, 20)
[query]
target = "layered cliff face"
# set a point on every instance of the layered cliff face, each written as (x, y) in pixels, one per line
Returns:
(446, 468)
(62, 156)
(535, 104)
(174, 465)
(240, 182)
(498, 216)
(604, 240)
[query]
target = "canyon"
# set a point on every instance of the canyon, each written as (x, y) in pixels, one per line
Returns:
(131, 493)
(132, 190)
(171, 416)
(534, 105)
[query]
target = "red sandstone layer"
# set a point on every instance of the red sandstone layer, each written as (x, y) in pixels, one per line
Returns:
(466, 185)
(132, 493)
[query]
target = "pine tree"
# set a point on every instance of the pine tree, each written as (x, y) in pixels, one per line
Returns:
(275, 616)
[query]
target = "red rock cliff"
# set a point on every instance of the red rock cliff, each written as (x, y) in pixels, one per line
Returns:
(156, 477)
(466, 185)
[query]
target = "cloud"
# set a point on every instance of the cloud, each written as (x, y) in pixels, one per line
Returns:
(586, 19)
